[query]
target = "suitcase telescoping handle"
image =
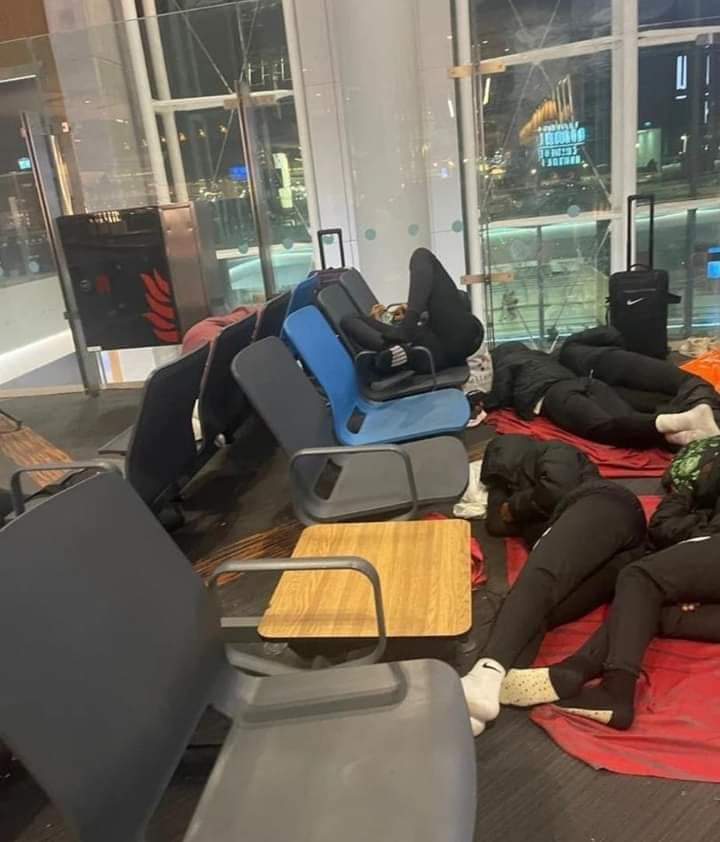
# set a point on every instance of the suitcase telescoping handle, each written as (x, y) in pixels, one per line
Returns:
(336, 231)
(635, 200)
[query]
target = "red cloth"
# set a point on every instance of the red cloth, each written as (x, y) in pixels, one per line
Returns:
(478, 574)
(207, 329)
(676, 733)
(611, 461)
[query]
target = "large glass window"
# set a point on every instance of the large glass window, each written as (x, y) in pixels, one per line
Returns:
(656, 14)
(517, 26)
(547, 138)
(678, 147)
(208, 50)
(687, 246)
(548, 280)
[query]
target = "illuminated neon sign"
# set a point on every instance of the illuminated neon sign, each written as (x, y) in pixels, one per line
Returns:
(559, 144)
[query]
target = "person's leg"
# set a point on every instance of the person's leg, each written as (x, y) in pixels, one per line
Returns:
(454, 329)
(419, 359)
(698, 622)
(555, 567)
(687, 572)
(593, 410)
(618, 367)
(542, 685)
(370, 333)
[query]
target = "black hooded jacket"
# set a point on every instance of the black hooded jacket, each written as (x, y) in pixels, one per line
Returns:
(533, 477)
(521, 377)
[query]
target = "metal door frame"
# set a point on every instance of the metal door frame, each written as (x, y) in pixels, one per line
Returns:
(42, 154)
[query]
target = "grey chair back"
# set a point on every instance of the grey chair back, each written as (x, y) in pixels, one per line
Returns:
(356, 286)
(336, 304)
(286, 400)
(221, 405)
(162, 451)
(272, 316)
(110, 650)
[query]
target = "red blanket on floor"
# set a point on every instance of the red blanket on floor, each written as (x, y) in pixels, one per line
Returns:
(676, 733)
(611, 461)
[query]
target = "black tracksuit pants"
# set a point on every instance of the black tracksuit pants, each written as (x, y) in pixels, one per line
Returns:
(625, 370)
(594, 410)
(451, 332)
(567, 573)
(648, 596)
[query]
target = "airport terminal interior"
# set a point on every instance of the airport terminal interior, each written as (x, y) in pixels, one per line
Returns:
(360, 420)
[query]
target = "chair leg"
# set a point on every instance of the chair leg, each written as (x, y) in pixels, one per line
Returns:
(17, 424)
(171, 516)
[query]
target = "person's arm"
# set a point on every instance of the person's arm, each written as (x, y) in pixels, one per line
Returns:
(676, 519)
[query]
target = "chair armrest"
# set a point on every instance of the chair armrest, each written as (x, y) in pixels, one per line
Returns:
(353, 451)
(16, 492)
(433, 372)
(359, 565)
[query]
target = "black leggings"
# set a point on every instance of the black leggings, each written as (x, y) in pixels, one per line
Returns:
(648, 595)
(625, 369)
(566, 574)
(451, 332)
(594, 410)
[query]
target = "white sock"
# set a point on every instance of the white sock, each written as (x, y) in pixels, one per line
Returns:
(699, 420)
(482, 689)
(477, 727)
(682, 438)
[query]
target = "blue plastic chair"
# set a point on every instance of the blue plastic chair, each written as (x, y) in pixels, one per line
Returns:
(403, 419)
(303, 295)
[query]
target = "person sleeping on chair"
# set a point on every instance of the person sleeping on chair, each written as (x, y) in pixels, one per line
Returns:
(436, 317)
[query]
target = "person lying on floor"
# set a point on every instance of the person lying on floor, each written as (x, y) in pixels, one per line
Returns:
(535, 383)
(594, 531)
(526, 480)
(437, 316)
(673, 592)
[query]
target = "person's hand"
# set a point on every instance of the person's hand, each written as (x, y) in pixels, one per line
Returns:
(399, 312)
(688, 607)
(377, 310)
(506, 513)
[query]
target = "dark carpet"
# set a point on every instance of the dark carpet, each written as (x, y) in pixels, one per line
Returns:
(528, 789)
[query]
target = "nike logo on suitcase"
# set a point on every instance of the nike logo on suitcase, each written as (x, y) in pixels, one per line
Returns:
(632, 301)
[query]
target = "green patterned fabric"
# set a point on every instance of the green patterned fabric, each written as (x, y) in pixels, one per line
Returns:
(692, 460)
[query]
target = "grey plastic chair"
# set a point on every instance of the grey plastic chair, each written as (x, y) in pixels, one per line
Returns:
(330, 482)
(271, 317)
(160, 449)
(222, 407)
(121, 654)
(353, 296)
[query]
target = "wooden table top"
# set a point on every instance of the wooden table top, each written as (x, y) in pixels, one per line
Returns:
(424, 569)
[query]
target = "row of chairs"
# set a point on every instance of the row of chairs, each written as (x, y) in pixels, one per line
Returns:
(350, 457)
(348, 294)
(161, 451)
(122, 652)
(100, 710)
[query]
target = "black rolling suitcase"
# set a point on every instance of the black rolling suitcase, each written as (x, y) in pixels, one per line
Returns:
(639, 297)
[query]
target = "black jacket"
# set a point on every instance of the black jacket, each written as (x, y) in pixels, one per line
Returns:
(521, 377)
(533, 477)
(679, 517)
